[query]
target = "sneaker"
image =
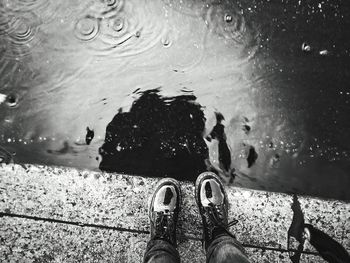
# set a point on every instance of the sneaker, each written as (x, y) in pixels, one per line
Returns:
(164, 208)
(212, 202)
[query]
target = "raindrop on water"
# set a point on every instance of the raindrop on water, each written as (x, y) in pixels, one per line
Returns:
(87, 28)
(166, 41)
(12, 100)
(19, 34)
(228, 18)
(106, 8)
(118, 24)
(324, 52)
(305, 47)
(227, 22)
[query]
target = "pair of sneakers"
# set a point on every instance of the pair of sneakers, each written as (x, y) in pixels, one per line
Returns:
(211, 198)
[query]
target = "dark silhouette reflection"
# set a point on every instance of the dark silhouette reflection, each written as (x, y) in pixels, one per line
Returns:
(89, 135)
(224, 171)
(218, 133)
(160, 136)
(252, 156)
(296, 231)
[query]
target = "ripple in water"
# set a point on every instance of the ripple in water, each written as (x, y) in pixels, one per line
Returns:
(106, 8)
(118, 24)
(20, 34)
(228, 26)
(26, 5)
(12, 100)
(115, 31)
(224, 19)
(228, 23)
(87, 28)
(5, 21)
(166, 41)
(119, 29)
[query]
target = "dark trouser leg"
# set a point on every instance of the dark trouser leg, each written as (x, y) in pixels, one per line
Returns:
(225, 249)
(161, 251)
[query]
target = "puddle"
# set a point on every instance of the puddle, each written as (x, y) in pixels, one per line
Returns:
(277, 73)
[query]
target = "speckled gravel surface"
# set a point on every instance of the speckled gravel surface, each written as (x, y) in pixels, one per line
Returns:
(109, 218)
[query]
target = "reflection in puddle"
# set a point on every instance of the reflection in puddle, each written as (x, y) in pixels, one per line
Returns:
(225, 171)
(159, 136)
(89, 135)
(252, 156)
(278, 72)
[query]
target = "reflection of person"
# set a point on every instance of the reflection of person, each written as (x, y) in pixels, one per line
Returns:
(218, 133)
(220, 245)
(328, 248)
(226, 173)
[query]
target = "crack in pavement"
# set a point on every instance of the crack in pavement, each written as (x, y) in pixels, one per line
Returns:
(138, 231)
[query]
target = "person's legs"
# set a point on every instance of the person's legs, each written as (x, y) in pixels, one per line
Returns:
(163, 212)
(225, 249)
(160, 251)
(220, 245)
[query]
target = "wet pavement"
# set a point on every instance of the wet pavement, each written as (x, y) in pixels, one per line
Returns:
(75, 215)
(75, 75)
(63, 214)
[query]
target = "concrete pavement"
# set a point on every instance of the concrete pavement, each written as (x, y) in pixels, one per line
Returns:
(55, 214)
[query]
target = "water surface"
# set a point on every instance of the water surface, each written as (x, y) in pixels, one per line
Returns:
(277, 71)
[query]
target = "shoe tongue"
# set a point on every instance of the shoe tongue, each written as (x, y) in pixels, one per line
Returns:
(168, 196)
(165, 200)
(211, 193)
(208, 191)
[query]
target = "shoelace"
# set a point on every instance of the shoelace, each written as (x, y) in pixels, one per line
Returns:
(216, 217)
(164, 224)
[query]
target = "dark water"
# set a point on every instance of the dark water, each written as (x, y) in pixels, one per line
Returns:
(257, 91)
(159, 136)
